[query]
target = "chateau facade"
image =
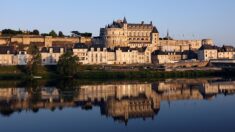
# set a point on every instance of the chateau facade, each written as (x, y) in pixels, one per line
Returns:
(123, 34)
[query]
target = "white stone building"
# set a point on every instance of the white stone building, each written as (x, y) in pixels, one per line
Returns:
(51, 55)
(99, 55)
(21, 58)
(7, 54)
(209, 52)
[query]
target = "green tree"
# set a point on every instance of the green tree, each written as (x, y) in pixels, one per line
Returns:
(61, 34)
(35, 32)
(45, 34)
(75, 33)
(53, 33)
(68, 65)
(34, 62)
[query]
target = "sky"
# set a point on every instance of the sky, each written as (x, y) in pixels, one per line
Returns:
(185, 19)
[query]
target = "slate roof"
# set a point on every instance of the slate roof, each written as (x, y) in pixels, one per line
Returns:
(54, 49)
(80, 46)
(7, 50)
(208, 47)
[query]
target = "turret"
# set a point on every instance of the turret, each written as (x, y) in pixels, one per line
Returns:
(207, 42)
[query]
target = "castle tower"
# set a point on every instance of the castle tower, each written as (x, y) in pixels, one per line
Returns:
(207, 42)
(154, 39)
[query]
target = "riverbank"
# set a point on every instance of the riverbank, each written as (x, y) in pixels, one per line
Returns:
(89, 72)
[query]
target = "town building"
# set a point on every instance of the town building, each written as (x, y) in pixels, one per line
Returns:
(209, 52)
(126, 55)
(81, 51)
(226, 52)
(51, 55)
(100, 55)
(161, 57)
(7, 55)
(21, 58)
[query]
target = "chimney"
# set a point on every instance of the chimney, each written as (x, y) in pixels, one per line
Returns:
(51, 50)
(61, 50)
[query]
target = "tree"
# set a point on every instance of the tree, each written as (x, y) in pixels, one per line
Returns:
(35, 32)
(75, 33)
(61, 34)
(45, 34)
(68, 65)
(53, 33)
(10, 32)
(34, 62)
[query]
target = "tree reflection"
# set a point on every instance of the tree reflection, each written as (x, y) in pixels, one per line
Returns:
(68, 89)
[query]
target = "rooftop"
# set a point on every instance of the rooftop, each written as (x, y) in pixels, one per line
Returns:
(7, 50)
(208, 47)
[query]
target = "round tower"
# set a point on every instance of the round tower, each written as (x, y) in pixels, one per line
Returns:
(207, 42)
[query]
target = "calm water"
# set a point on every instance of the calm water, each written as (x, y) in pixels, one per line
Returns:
(171, 105)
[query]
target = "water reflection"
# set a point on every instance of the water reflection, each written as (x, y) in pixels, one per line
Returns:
(121, 101)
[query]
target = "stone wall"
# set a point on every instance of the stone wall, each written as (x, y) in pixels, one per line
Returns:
(4, 41)
(48, 40)
(180, 45)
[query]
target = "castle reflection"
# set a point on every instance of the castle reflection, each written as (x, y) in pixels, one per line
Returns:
(121, 101)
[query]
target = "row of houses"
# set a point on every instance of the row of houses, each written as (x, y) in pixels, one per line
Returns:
(210, 52)
(100, 55)
(205, 53)
(94, 55)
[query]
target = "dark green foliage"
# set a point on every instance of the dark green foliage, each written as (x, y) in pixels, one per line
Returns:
(53, 33)
(68, 65)
(10, 32)
(61, 34)
(34, 63)
(77, 33)
(35, 32)
(45, 34)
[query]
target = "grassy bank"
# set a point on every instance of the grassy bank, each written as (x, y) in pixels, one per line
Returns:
(49, 72)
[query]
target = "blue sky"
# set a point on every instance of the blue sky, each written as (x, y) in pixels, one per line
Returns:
(185, 19)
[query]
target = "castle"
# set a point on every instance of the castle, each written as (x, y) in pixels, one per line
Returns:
(123, 34)
(119, 43)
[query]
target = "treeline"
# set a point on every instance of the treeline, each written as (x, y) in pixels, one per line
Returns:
(53, 33)
(10, 32)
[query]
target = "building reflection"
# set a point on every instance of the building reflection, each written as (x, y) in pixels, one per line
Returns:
(120, 101)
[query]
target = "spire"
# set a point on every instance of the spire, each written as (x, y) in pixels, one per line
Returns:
(155, 30)
(168, 37)
(167, 33)
(124, 20)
